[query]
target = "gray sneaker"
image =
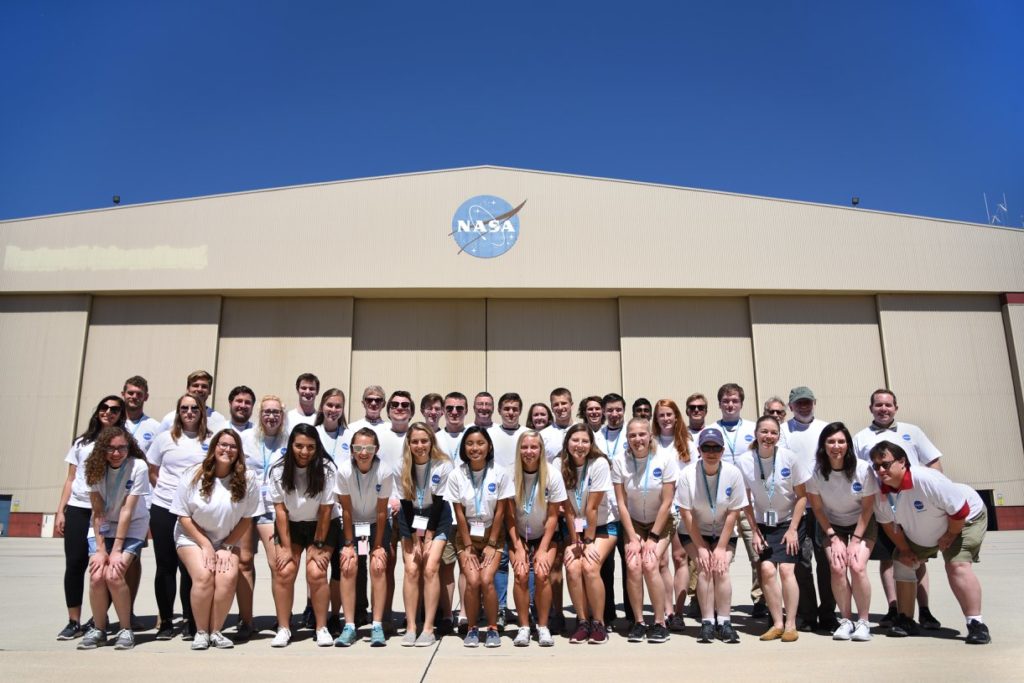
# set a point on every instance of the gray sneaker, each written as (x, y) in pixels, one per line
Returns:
(426, 639)
(472, 638)
(409, 639)
(201, 640)
(125, 639)
(221, 641)
(494, 640)
(93, 639)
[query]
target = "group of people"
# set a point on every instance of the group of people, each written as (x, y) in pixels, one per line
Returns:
(549, 502)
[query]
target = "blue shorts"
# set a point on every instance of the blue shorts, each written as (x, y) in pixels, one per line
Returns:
(132, 546)
(609, 529)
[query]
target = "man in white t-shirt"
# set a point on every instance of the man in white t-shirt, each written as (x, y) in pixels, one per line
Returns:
(307, 388)
(554, 433)
(198, 385)
(373, 406)
(776, 407)
(392, 448)
(240, 403)
(696, 408)
(611, 440)
(911, 438)
(432, 409)
(483, 410)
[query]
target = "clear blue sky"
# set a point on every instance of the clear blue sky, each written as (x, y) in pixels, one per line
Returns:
(916, 107)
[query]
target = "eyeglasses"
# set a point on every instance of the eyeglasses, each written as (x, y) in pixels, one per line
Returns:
(188, 409)
(400, 405)
(775, 412)
(696, 409)
(272, 412)
(107, 408)
(227, 446)
(117, 449)
(455, 409)
(711, 449)
(374, 400)
(883, 465)
(364, 449)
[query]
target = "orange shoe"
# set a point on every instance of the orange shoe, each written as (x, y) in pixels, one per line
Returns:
(772, 634)
(790, 636)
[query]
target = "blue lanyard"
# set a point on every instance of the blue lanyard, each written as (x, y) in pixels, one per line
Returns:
(478, 491)
(337, 438)
(579, 488)
(421, 491)
(528, 504)
(712, 500)
(142, 418)
(769, 484)
(614, 446)
(112, 494)
(266, 459)
(647, 467)
(735, 435)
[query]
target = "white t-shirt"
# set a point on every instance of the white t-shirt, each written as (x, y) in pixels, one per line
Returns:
(214, 421)
(300, 507)
(449, 443)
(143, 431)
(802, 438)
(378, 427)
(595, 475)
(923, 510)
(642, 482)
(173, 459)
(297, 417)
(612, 442)
(554, 437)
(364, 489)
(219, 515)
(505, 445)
(908, 436)
(480, 494)
(130, 479)
(694, 491)
(337, 444)
(666, 443)
(782, 474)
(737, 439)
(841, 497)
(260, 456)
(241, 428)
(392, 447)
(531, 515)
(77, 455)
(429, 480)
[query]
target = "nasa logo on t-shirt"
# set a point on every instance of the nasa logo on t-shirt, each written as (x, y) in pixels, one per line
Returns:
(284, 449)
(749, 438)
(378, 488)
(436, 478)
(857, 488)
(205, 446)
(146, 436)
(906, 437)
(728, 490)
(492, 487)
(344, 446)
(128, 486)
(547, 492)
(785, 472)
(918, 505)
(657, 472)
(590, 482)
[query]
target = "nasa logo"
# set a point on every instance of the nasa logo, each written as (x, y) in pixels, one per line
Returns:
(128, 486)
(906, 437)
(486, 226)
(436, 479)
(378, 488)
(492, 487)
(147, 436)
(344, 446)
(657, 472)
(205, 446)
(284, 450)
(749, 438)
(784, 472)
(728, 490)
(857, 488)
(918, 505)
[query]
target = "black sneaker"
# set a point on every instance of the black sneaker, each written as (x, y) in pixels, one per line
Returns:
(334, 625)
(928, 620)
(977, 633)
(707, 632)
(890, 617)
(657, 633)
(805, 626)
(308, 618)
(637, 632)
(903, 626)
(71, 631)
(726, 633)
(444, 628)
(165, 630)
(760, 610)
(828, 624)
(186, 630)
(502, 617)
(137, 624)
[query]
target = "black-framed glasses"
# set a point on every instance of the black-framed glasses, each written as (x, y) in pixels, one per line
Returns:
(117, 449)
(884, 465)
(107, 408)
(696, 409)
(775, 412)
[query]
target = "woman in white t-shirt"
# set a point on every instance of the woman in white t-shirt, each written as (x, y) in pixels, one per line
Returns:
(775, 479)
(842, 495)
(75, 509)
(645, 484)
(215, 503)
(711, 496)
(171, 453)
(117, 476)
(476, 489)
(425, 524)
(335, 435)
(592, 519)
(306, 514)
(533, 531)
(538, 417)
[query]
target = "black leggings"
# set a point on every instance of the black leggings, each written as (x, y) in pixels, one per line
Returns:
(76, 553)
(161, 524)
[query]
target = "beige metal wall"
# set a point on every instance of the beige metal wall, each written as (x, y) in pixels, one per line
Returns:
(418, 345)
(266, 343)
(42, 338)
(947, 361)
(830, 344)
(672, 347)
(162, 338)
(535, 345)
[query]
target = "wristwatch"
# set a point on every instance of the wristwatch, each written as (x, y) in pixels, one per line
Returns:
(347, 543)
(492, 543)
(318, 544)
(227, 546)
(587, 541)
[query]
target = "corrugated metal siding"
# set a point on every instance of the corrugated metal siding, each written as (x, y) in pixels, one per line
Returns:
(1013, 322)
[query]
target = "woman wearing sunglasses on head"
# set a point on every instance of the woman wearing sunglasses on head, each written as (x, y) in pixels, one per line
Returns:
(75, 509)
(215, 503)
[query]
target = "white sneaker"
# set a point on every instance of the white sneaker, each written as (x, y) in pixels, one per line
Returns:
(544, 638)
(844, 631)
(220, 641)
(323, 638)
(862, 632)
(522, 637)
(283, 637)
(201, 640)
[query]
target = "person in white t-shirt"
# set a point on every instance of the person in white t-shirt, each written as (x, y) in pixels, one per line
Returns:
(307, 386)
(841, 493)
(611, 440)
(449, 440)
(926, 515)
(533, 531)
(591, 413)
(432, 409)
(215, 503)
(373, 405)
(483, 410)
(74, 511)
(117, 477)
(696, 406)
(240, 404)
(645, 483)
(505, 436)
(306, 520)
(591, 516)
(538, 417)
(364, 486)
(199, 385)
(142, 427)
(560, 420)
(477, 489)
(330, 423)
(709, 531)
(775, 479)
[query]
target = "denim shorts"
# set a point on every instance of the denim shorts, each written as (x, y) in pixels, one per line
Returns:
(132, 546)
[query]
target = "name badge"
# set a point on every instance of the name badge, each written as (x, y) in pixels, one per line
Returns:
(363, 546)
(580, 525)
(770, 518)
(362, 531)
(265, 492)
(477, 529)
(419, 523)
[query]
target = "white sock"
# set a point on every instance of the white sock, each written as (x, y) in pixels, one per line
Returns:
(977, 619)
(376, 624)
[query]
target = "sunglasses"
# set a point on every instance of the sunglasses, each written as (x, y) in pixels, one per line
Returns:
(775, 412)
(696, 409)
(455, 409)
(883, 465)
(107, 408)
(188, 409)
(364, 449)
(400, 405)
(374, 401)
(711, 449)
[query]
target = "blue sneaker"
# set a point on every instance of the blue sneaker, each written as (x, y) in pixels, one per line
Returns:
(347, 637)
(377, 636)
(472, 638)
(493, 639)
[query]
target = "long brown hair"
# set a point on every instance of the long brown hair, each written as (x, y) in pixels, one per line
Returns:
(568, 467)
(178, 428)
(96, 463)
(436, 456)
(680, 436)
(205, 474)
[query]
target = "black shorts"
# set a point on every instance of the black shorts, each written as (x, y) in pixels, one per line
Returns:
(303, 533)
(710, 541)
(776, 549)
(444, 524)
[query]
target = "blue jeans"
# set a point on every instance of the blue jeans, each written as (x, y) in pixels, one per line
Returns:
(501, 578)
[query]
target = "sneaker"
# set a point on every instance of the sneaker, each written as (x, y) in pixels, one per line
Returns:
(243, 632)
(377, 638)
(220, 641)
(323, 637)
(71, 631)
(283, 637)
(760, 610)
(693, 611)
(861, 631)
(977, 633)
(409, 639)
(502, 618)
(165, 631)
(828, 624)
(446, 627)
(347, 637)
(93, 639)
(707, 632)
(186, 630)
(657, 633)
(334, 625)
(426, 639)
(494, 640)
(904, 626)
(125, 639)
(544, 638)
(927, 620)
(845, 630)
(805, 626)
(890, 617)
(557, 624)
(201, 640)
(637, 632)
(598, 634)
(463, 627)
(676, 623)
(308, 618)
(522, 638)
(472, 638)
(726, 633)
(581, 634)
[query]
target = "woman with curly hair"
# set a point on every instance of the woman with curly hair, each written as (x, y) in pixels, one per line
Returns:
(215, 503)
(116, 473)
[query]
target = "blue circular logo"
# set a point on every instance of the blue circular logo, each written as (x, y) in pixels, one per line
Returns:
(918, 505)
(906, 437)
(147, 436)
(284, 449)
(205, 446)
(857, 488)
(378, 488)
(728, 490)
(486, 226)
(785, 472)
(344, 446)
(128, 486)
(436, 479)
(492, 487)
(749, 438)
(657, 472)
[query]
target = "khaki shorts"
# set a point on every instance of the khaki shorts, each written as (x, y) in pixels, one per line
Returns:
(479, 543)
(966, 547)
(448, 555)
(644, 530)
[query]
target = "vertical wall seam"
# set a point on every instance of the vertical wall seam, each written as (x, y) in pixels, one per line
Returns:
(753, 355)
(90, 302)
(216, 345)
(881, 342)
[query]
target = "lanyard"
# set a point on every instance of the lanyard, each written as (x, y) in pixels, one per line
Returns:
(478, 491)
(142, 418)
(615, 445)
(712, 499)
(337, 438)
(421, 491)
(528, 503)
(579, 488)
(735, 435)
(769, 485)
(266, 457)
(112, 494)
(647, 467)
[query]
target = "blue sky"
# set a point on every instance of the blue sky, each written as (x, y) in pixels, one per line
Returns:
(915, 107)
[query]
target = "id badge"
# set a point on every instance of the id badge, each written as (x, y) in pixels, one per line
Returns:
(580, 525)
(363, 546)
(362, 530)
(477, 529)
(419, 523)
(265, 492)
(771, 518)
